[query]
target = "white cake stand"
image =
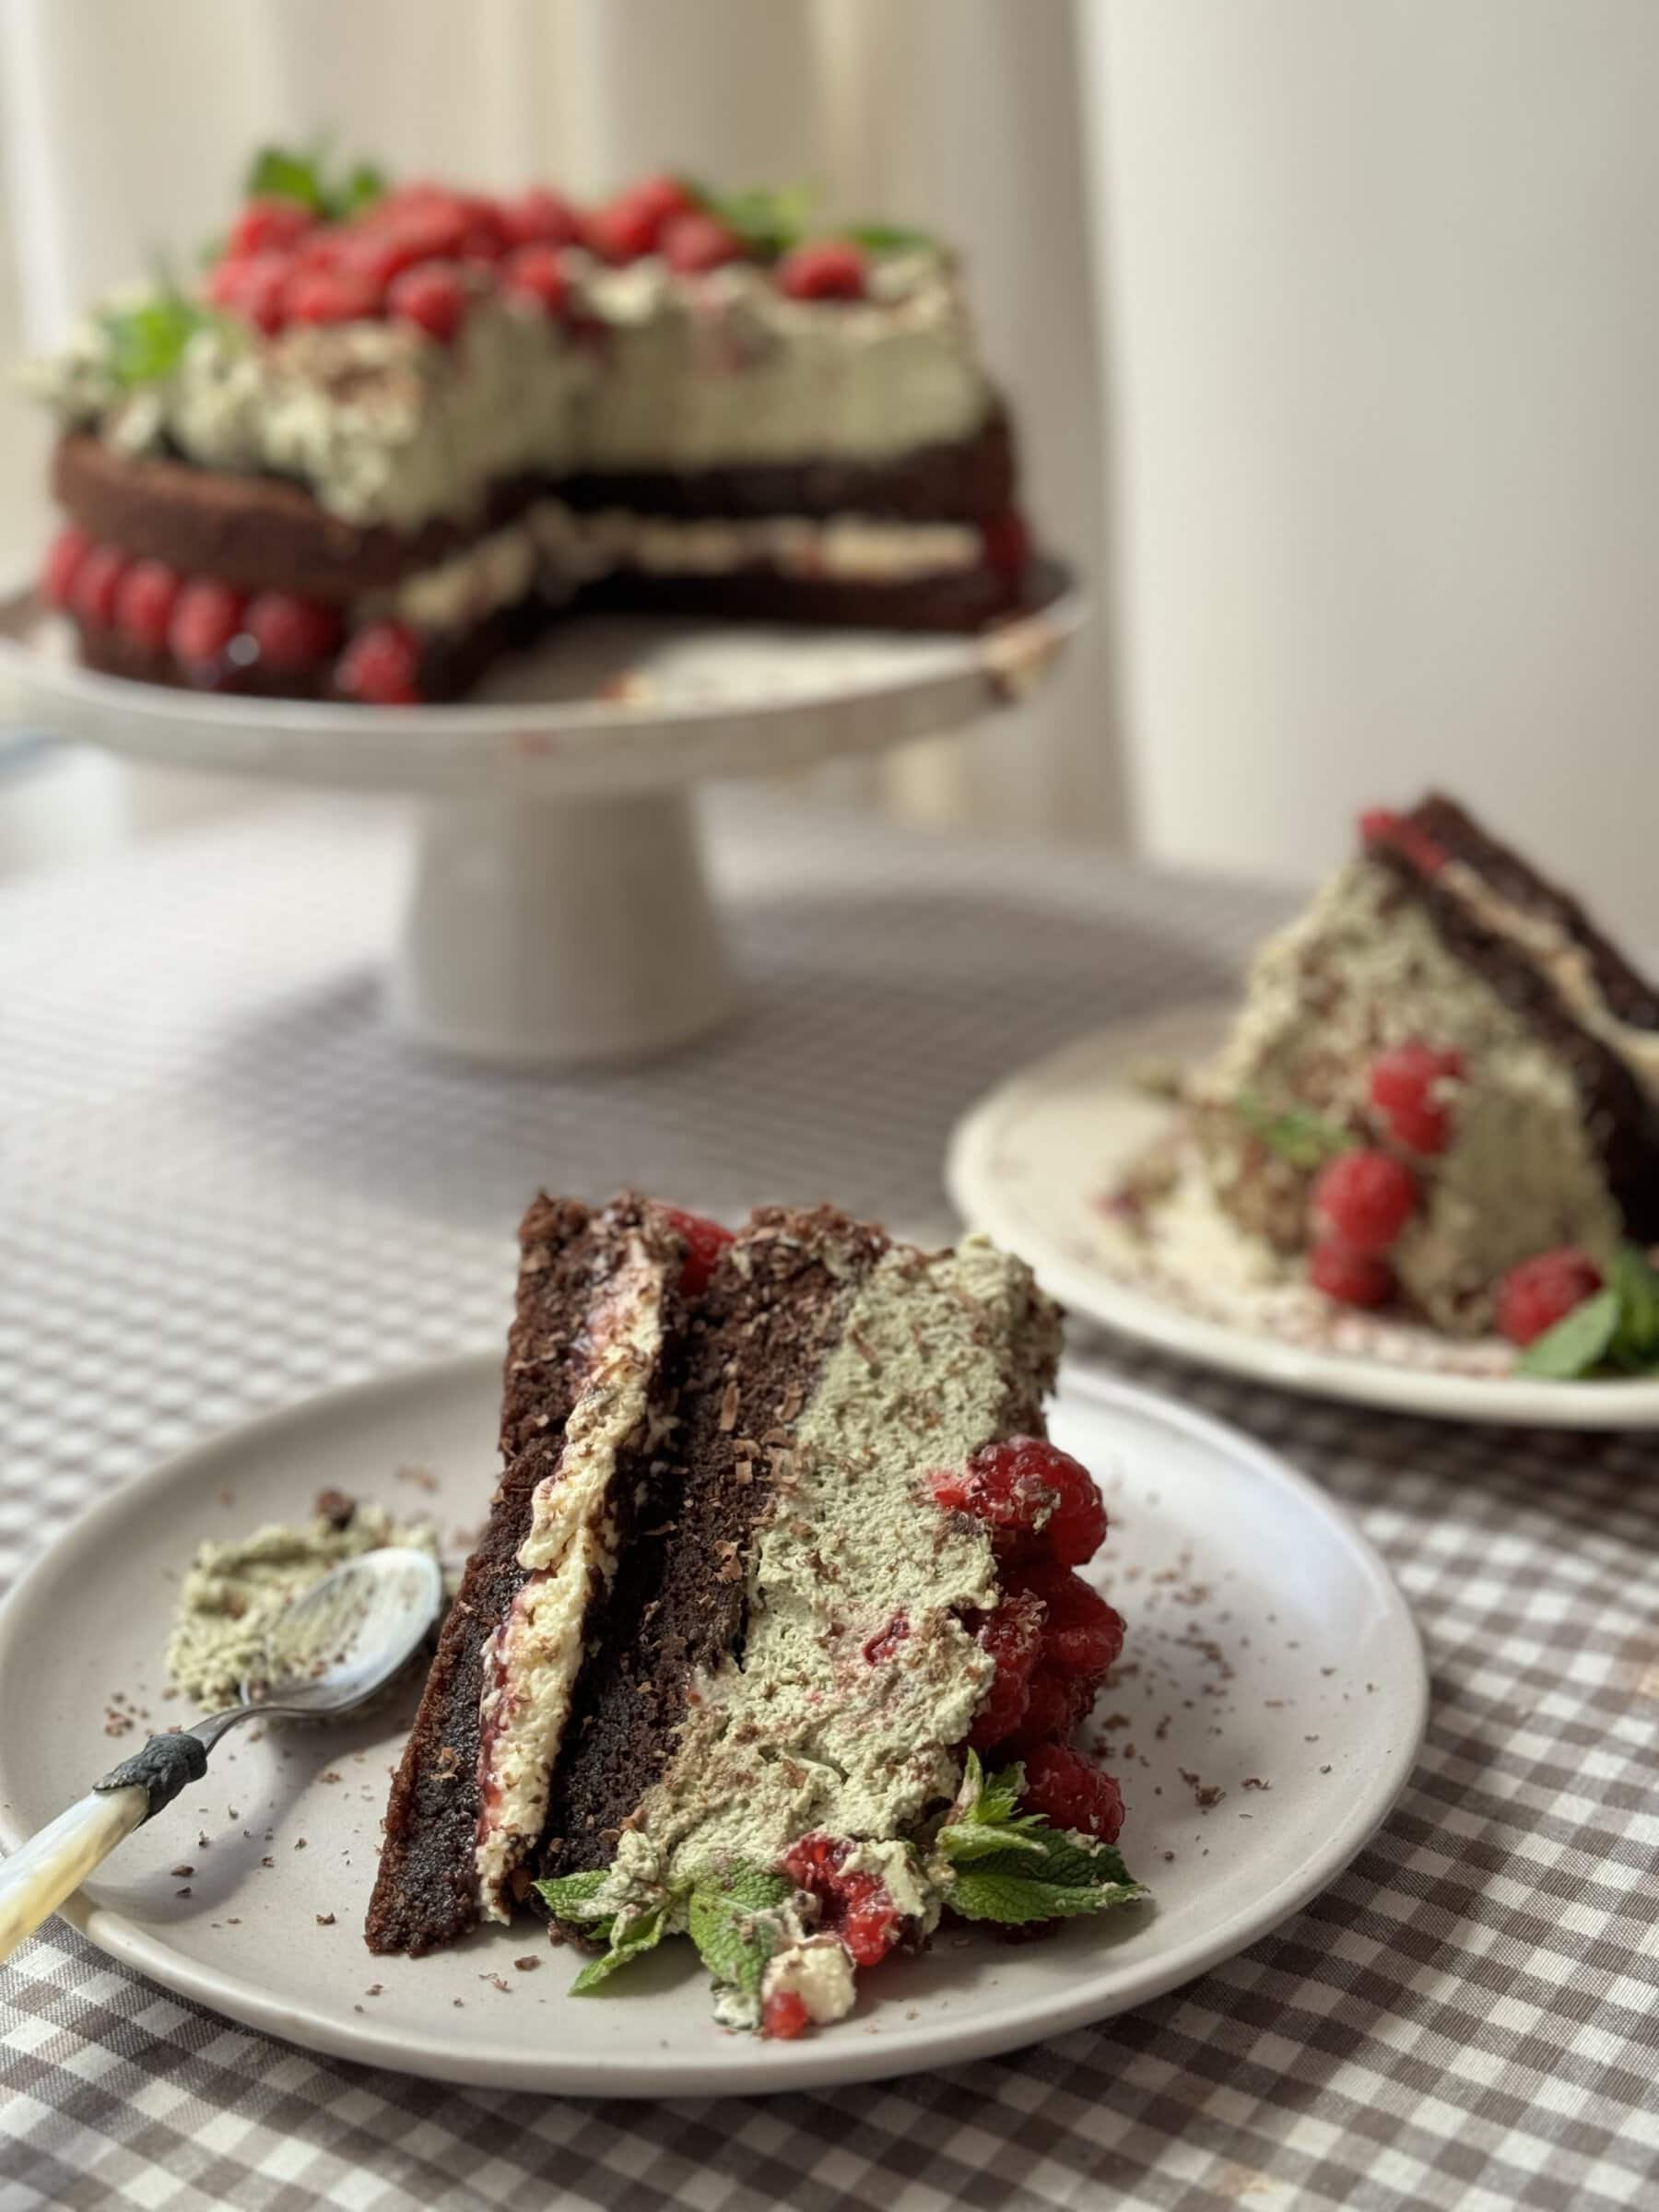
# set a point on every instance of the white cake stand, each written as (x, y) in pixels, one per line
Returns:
(560, 913)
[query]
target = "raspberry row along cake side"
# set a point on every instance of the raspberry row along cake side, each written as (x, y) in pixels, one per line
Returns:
(834, 1565)
(396, 435)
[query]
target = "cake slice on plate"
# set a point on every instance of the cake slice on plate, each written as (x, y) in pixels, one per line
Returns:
(779, 1551)
(1442, 1089)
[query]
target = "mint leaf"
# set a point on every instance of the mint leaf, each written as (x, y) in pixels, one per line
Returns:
(769, 222)
(1017, 1900)
(279, 174)
(567, 1896)
(146, 342)
(1635, 1345)
(1305, 1139)
(891, 238)
(1576, 1343)
(733, 1918)
(628, 1939)
(361, 187)
(284, 174)
(1015, 1867)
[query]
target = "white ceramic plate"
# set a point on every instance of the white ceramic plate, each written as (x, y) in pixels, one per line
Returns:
(608, 703)
(1278, 1652)
(1031, 1163)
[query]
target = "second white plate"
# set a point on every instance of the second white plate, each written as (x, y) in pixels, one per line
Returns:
(1035, 1162)
(1272, 1715)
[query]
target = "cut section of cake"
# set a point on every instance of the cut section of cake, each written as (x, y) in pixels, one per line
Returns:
(1441, 1071)
(398, 429)
(830, 1560)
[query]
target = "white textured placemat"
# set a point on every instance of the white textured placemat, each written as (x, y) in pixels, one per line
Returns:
(227, 1185)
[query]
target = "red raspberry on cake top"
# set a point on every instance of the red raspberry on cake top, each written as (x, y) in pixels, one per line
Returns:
(1031, 1495)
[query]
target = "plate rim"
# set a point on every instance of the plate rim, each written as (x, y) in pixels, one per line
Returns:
(819, 2062)
(1504, 1401)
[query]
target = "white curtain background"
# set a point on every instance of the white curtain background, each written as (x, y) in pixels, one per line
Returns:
(127, 122)
(1333, 332)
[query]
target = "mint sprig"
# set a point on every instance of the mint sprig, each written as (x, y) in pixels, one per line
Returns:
(145, 341)
(304, 175)
(733, 1918)
(1017, 1868)
(1304, 1139)
(736, 1921)
(1615, 1332)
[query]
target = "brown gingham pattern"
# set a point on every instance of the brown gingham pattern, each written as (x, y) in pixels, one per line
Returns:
(228, 1185)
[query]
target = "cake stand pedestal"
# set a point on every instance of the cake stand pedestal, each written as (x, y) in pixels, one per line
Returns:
(569, 929)
(560, 913)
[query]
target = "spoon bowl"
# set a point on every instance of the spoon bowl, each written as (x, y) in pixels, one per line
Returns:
(344, 1639)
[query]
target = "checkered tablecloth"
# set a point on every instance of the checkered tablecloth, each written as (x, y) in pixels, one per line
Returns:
(228, 1184)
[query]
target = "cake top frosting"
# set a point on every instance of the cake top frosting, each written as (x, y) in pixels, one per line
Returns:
(397, 350)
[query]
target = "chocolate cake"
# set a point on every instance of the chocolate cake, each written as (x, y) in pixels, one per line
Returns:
(400, 430)
(779, 1549)
(1441, 1071)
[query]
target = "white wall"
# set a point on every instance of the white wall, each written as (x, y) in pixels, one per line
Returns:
(1381, 300)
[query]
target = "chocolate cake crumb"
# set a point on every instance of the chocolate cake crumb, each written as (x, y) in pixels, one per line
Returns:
(528, 1963)
(181, 1873)
(325, 1920)
(184, 1892)
(1254, 1782)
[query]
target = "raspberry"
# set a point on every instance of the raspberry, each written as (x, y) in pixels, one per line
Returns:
(484, 238)
(1352, 1278)
(1056, 1703)
(538, 218)
(1534, 1295)
(145, 603)
(206, 616)
(96, 580)
(537, 273)
(1007, 543)
(856, 1907)
(267, 225)
(829, 268)
(633, 222)
(705, 1241)
(1013, 1638)
(1034, 1495)
(886, 1641)
(290, 632)
(338, 295)
(1382, 825)
(1070, 1793)
(1082, 1634)
(431, 296)
(1367, 1197)
(1408, 1090)
(255, 289)
(381, 667)
(692, 243)
(785, 2014)
(68, 550)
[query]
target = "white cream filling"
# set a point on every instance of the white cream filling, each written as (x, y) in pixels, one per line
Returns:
(818, 1971)
(1565, 963)
(532, 1659)
(553, 546)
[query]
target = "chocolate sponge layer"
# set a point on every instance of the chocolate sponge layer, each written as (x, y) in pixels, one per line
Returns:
(426, 1893)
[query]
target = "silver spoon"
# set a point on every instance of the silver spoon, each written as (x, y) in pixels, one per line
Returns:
(328, 1652)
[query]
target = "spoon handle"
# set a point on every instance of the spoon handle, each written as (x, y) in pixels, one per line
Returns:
(42, 1873)
(37, 1878)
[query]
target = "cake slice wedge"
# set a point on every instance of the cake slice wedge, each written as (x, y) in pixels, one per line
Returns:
(1440, 1072)
(829, 1561)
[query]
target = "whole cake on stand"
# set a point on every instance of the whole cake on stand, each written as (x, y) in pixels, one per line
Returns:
(402, 442)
